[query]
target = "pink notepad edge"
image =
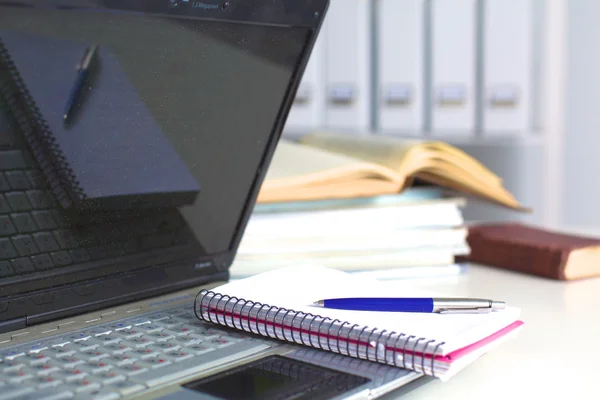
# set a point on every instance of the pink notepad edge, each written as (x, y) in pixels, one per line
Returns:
(458, 354)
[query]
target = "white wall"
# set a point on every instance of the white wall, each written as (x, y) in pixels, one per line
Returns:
(581, 180)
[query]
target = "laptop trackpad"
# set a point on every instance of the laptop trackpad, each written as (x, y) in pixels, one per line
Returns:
(274, 377)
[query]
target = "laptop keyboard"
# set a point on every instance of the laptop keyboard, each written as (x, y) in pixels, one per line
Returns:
(37, 235)
(120, 358)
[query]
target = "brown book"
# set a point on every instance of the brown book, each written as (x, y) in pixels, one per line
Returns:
(534, 250)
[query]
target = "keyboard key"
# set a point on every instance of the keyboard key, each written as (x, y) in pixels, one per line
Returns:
(12, 159)
(44, 220)
(186, 340)
(131, 369)
(6, 269)
(22, 265)
(222, 342)
(7, 250)
(18, 201)
(119, 326)
(119, 359)
(45, 242)
(61, 221)
(155, 362)
(4, 206)
(115, 249)
(79, 255)
(78, 336)
(17, 180)
(61, 351)
(108, 377)
(12, 391)
(160, 336)
(178, 355)
(67, 362)
(103, 394)
(149, 328)
(82, 386)
(125, 387)
(105, 340)
(17, 376)
(7, 228)
(143, 353)
(49, 394)
(81, 345)
(61, 258)
(24, 223)
(66, 239)
(199, 348)
(11, 365)
(158, 376)
(45, 382)
(44, 369)
(98, 253)
(165, 346)
(4, 186)
(69, 375)
(93, 355)
(115, 348)
(40, 199)
(128, 334)
(95, 367)
(42, 261)
(36, 179)
(25, 245)
(36, 358)
(137, 342)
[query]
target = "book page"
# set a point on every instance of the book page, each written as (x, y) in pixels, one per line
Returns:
(386, 151)
(297, 287)
(299, 172)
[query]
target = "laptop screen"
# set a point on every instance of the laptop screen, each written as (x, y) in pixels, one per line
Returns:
(130, 139)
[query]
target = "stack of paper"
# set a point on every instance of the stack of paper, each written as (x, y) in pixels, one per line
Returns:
(416, 232)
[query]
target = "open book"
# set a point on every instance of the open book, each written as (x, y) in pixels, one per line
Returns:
(333, 165)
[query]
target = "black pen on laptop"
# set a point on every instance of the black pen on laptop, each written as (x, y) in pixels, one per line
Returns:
(440, 305)
(83, 70)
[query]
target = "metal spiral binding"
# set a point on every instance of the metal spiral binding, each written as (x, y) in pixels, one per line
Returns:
(392, 348)
(38, 134)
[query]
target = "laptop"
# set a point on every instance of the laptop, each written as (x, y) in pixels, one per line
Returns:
(186, 102)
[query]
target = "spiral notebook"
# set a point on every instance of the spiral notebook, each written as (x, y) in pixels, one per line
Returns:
(278, 304)
(113, 154)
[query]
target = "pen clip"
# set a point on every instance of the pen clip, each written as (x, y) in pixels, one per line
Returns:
(478, 310)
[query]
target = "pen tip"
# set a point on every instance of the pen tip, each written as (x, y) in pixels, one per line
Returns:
(498, 305)
(319, 303)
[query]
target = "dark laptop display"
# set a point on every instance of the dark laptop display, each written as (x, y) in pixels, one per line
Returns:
(133, 139)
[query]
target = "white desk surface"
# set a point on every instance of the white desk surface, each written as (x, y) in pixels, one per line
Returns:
(556, 354)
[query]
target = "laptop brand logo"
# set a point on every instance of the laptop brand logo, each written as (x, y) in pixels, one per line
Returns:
(202, 265)
(204, 6)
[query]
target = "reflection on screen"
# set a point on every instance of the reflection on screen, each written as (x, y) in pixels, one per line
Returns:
(123, 135)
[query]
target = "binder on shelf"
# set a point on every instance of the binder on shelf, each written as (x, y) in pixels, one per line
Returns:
(308, 111)
(453, 35)
(507, 49)
(348, 65)
(400, 82)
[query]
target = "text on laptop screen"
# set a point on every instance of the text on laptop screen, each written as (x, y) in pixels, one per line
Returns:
(129, 135)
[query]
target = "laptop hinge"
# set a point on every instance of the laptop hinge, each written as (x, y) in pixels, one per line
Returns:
(13, 324)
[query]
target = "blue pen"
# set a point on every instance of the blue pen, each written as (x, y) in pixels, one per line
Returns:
(413, 304)
(83, 70)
